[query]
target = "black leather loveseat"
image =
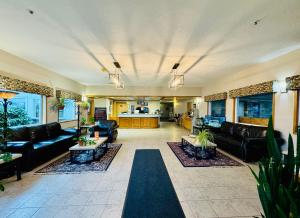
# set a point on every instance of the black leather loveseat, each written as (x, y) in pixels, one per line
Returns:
(39, 144)
(244, 141)
(106, 128)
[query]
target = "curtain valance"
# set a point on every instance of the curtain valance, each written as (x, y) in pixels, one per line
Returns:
(216, 97)
(293, 82)
(261, 88)
(68, 95)
(12, 84)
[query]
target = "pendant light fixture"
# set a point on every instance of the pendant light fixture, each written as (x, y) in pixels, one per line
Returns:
(177, 80)
(116, 76)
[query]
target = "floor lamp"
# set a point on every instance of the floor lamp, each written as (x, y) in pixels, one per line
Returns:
(6, 95)
(78, 117)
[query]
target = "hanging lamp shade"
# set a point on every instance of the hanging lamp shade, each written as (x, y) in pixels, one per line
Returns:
(7, 94)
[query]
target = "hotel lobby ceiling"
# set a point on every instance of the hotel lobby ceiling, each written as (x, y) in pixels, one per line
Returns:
(209, 38)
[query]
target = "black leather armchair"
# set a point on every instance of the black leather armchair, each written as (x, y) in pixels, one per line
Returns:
(244, 141)
(106, 128)
(40, 143)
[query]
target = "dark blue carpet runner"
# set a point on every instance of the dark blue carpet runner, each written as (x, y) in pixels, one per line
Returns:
(150, 192)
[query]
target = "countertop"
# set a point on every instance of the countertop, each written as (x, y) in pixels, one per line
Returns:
(138, 115)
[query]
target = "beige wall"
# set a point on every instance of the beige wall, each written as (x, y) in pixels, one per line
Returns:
(276, 69)
(19, 68)
(152, 105)
(109, 90)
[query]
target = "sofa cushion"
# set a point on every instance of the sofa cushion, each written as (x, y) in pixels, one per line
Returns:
(227, 128)
(227, 141)
(240, 131)
(19, 134)
(38, 133)
(43, 144)
(53, 130)
(257, 132)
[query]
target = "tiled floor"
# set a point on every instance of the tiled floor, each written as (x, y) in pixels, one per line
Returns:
(203, 192)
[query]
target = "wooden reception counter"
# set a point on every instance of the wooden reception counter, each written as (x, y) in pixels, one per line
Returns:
(139, 121)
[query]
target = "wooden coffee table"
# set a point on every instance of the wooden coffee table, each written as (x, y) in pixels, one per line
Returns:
(191, 142)
(77, 149)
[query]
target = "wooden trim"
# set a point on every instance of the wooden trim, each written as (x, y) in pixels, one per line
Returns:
(233, 110)
(296, 111)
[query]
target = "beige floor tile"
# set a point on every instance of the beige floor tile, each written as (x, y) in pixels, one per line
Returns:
(94, 211)
(203, 192)
(23, 213)
(201, 209)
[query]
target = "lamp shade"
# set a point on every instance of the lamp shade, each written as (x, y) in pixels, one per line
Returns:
(7, 94)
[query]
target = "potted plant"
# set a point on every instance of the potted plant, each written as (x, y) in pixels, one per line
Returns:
(58, 104)
(278, 181)
(91, 120)
(202, 139)
(83, 121)
(84, 141)
(85, 105)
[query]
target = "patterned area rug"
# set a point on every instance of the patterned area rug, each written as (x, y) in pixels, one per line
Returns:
(220, 160)
(63, 164)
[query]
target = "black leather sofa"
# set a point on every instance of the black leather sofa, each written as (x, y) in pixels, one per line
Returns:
(106, 128)
(244, 141)
(39, 144)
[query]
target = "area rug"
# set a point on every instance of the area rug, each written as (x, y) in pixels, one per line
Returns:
(150, 192)
(220, 160)
(63, 164)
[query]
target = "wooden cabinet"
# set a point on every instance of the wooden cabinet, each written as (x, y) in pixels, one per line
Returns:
(145, 122)
(153, 122)
(139, 122)
(136, 122)
(125, 122)
(187, 122)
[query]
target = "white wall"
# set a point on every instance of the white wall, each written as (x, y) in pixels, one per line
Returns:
(152, 105)
(19, 68)
(276, 69)
(109, 90)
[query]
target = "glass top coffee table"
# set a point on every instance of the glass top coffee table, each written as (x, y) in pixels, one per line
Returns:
(77, 149)
(189, 145)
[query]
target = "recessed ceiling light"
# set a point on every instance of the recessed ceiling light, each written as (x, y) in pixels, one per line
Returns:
(30, 11)
(256, 22)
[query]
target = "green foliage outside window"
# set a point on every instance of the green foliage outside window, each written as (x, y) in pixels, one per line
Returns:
(16, 116)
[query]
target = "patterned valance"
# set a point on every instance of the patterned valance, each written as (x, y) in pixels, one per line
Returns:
(216, 97)
(24, 86)
(261, 88)
(68, 95)
(293, 82)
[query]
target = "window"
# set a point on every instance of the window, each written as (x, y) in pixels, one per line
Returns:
(26, 109)
(69, 111)
(217, 108)
(255, 109)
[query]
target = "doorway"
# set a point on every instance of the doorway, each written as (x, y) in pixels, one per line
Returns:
(167, 111)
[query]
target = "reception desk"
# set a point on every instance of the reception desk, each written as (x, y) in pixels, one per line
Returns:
(139, 121)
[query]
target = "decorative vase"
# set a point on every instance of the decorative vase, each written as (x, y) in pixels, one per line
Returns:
(61, 107)
(81, 143)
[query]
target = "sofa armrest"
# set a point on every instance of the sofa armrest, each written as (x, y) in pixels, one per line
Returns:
(68, 131)
(19, 146)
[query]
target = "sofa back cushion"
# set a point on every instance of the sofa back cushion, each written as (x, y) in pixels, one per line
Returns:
(240, 131)
(53, 130)
(38, 133)
(227, 128)
(18, 134)
(257, 132)
(107, 124)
